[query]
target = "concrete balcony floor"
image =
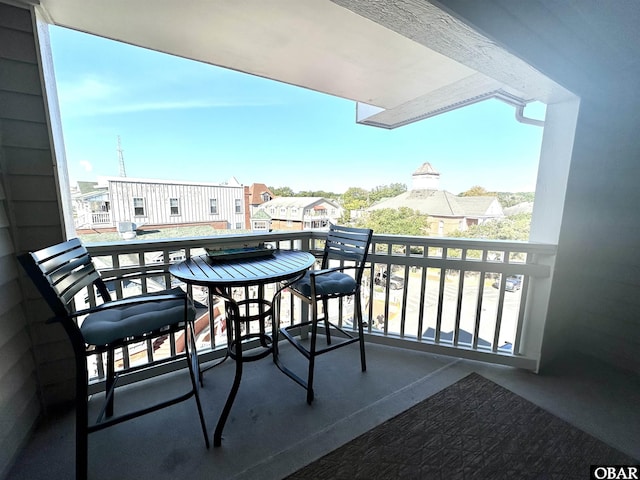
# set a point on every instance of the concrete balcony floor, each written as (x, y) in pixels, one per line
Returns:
(272, 432)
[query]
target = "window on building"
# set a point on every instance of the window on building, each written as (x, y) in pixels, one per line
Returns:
(238, 205)
(294, 210)
(266, 197)
(138, 207)
(260, 226)
(283, 211)
(213, 206)
(238, 226)
(174, 206)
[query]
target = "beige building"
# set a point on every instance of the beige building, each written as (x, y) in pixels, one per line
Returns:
(447, 212)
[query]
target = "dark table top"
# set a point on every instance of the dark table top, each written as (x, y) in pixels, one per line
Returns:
(205, 271)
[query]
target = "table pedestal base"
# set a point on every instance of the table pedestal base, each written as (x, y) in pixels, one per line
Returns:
(235, 341)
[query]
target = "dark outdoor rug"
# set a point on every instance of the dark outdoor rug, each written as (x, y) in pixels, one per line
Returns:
(472, 429)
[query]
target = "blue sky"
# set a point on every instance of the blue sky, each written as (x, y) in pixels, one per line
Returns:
(183, 120)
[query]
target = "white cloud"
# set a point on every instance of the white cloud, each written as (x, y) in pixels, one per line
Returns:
(93, 96)
(175, 105)
(86, 165)
(88, 89)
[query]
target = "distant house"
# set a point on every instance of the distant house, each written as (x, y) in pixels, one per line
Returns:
(259, 193)
(260, 221)
(447, 212)
(116, 201)
(91, 205)
(297, 213)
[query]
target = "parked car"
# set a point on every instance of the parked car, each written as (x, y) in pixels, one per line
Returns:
(396, 282)
(513, 283)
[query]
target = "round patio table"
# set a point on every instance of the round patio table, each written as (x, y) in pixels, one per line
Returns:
(223, 273)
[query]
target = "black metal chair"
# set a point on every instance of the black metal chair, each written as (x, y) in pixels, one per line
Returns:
(348, 246)
(63, 271)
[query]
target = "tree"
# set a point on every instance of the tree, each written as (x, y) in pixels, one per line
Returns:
(282, 191)
(475, 191)
(509, 199)
(318, 193)
(515, 227)
(355, 198)
(288, 192)
(402, 221)
(386, 191)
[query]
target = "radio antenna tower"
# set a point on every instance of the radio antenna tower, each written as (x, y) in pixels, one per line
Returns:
(123, 173)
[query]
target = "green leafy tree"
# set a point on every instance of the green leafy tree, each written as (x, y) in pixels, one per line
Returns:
(318, 193)
(476, 191)
(515, 227)
(355, 198)
(386, 191)
(282, 191)
(288, 192)
(509, 199)
(402, 221)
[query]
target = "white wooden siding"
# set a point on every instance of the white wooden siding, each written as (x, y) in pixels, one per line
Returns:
(194, 201)
(34, 355)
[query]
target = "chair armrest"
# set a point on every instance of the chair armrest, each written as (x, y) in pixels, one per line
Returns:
(154, 271)
(124, 302)
(324, 271)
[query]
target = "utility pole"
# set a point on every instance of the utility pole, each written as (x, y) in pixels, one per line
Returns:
(123, 173)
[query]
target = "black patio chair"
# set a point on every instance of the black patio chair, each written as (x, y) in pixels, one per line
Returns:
(64, 271)
(348, 246)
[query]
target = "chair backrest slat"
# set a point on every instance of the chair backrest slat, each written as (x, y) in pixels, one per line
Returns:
(347, 244)
(76, 282)
(58, 265)
(62, 271)
(57, 250)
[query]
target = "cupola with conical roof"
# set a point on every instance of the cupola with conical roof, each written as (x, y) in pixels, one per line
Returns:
(425, 178)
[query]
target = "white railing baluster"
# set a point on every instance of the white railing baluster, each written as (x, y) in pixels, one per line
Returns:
(421, 303)
(440, 301)
(498, 324)
(456, 329)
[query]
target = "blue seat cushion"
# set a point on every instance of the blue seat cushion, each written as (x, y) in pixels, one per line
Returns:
(329, 283)
(109, 325)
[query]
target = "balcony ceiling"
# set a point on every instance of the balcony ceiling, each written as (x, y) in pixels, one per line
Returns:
(400, 63)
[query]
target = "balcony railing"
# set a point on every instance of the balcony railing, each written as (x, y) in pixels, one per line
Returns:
(482, 300)
(93, 219)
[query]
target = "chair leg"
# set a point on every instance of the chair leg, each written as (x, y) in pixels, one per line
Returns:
(325, 313)
(358, 315)
(82, 418)
(194, 366)
(82, 401)
(312, 352)
(275, 326)
(110, 380)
